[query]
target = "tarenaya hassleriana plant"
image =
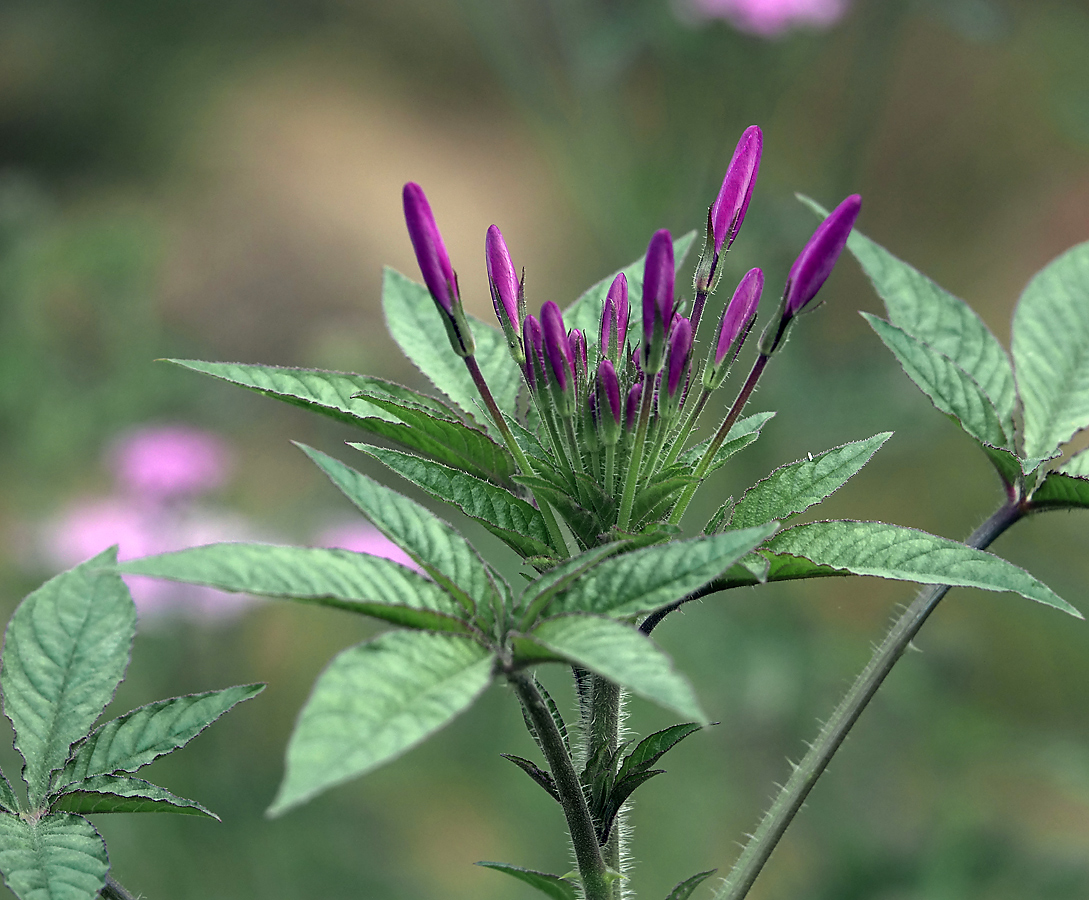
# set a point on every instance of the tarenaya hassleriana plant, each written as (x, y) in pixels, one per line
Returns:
(574, 437)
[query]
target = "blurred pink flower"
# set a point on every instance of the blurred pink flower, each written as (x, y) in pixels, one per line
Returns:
(769, 18)
(170, 461)
(363, 538)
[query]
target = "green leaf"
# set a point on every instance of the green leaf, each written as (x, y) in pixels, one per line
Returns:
(436, 547)
(539, 775)
(950, 388)
(1051, 351)
(934, 317)
(374, 702)
(8, 801)
(328, 393)
(618, 652)
(684, 890)
(656, 499)
(653, 747)
(653, 577)
(794, 488)
(539, 593)
(57, 857)
(138, 737)
(905, 554)
(418, 330)
(551, 885)
(1061, 491)
(506, 516)
(66, 649)
(585, 312)
(742, 433)
(343, 579)
(718, 522)
(1078, 464)
(120, 793)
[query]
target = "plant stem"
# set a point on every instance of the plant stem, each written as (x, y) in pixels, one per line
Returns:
(636, 453)
(114, 891)
(604, 731)
(591, 864)
(519, 457)
(792, 795)
(720, 436)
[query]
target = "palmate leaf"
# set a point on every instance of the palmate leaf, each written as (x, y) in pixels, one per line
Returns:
(585, 312)
(934, 317)
(742, 433)
(1051, 352)
(135, 739)
(66, 649)
(121, 793)
(905, 554)
(416, 326)
(614, 651)
(794, 488)
(550, 885)
(57, 857)
(506, 516)
(356, 582)
(374, 702)
(647, 579)
(443, 553)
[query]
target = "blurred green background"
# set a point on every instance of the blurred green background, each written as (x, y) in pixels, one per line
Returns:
(222, 180)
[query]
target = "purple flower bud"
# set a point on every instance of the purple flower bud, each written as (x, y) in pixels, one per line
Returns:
(658, 277)
(631, 405)
(431, 254)
(608, 326)
(577, 341)
(814, 264)
(739, 313)
(609, 388)
(728, 210)
(619, 294)
(680, 346)
(557, 347)
(503, 280)
(533, 345)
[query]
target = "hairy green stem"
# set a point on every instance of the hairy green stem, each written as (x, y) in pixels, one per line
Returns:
(114, 891)
(792, 795)
(588, 856)
(519, 457)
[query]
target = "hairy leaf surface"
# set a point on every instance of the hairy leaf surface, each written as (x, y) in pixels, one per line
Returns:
(438, 548)
(66, 649)
(357, 582)
(121, 793)
(550, 885)
(57, 857)
(374, 702)
(794, 488)
(1051, 351)
(618, 652)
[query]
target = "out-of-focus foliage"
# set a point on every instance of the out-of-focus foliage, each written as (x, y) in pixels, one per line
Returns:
(222, 180)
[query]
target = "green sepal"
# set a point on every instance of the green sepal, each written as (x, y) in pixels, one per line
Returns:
(554, 886)
(124, 794)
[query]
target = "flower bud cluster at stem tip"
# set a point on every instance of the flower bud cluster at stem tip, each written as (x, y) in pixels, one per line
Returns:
(613, 413)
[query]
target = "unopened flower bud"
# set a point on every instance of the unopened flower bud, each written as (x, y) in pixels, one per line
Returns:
(610, 412)
(676, 370)
(658, 277)
(631, 406)
(557, 350)
(728, 210)
(577, 340)
(734, 326)
(507, 296)
(435, 267)
(812, 268)
(533, 348)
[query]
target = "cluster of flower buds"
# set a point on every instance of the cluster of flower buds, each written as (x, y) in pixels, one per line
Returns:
(607, 394)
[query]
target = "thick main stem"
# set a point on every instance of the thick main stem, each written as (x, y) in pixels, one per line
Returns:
(580, 824)
(792, 795)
